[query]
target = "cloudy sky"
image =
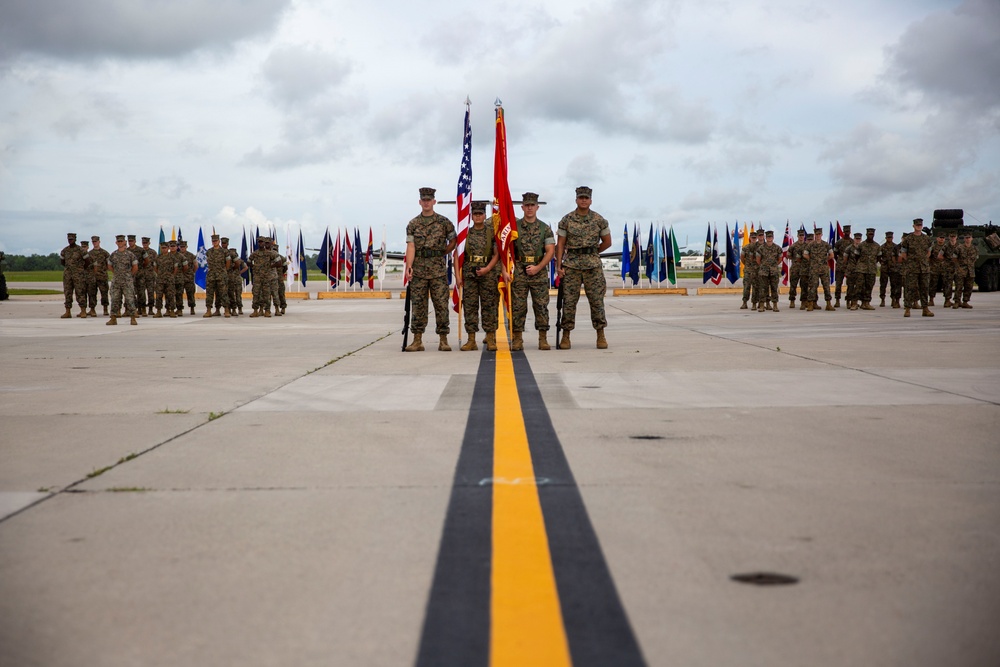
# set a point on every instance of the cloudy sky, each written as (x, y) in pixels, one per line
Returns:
(121, 116)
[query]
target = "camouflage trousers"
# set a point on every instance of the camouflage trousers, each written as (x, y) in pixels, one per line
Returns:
(120, 289)
(436, 289)
(963, 285)
(480, 295)
(74, 283)
(750, 286)
(165, 292)
(261, 293)
(767, 287)
(892, 279)
(941, 281)
(595, 286)
(185, 286)
(538, 287)
(235, 286)
(90, 280)
(99, 284)
(794, 282)
(281, 293)
(216, 291)
(864, 285)
(145, 289)
(821, 277)
(840, 275)
(278, 293)
(915, 293)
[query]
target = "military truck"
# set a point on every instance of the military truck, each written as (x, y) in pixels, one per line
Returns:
(986, 238)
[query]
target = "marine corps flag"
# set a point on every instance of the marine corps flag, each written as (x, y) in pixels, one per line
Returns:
(504, 222)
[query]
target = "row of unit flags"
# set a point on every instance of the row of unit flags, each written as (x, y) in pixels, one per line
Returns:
(345, 262)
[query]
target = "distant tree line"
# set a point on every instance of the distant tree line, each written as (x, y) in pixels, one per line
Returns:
(32, 262)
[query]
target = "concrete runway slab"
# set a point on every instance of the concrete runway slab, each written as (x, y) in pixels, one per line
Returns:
(260, 492)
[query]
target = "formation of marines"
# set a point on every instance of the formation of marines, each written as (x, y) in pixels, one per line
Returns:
(582, 235)
(147, 283)
(912, 271)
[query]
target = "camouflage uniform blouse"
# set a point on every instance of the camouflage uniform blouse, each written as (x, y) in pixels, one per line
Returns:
(72, 258)
(914, 250)
(770, 259)
(819, 252)
(216, 260)
(121, 262)
(868, 258)
(478, 249)
(430, 236)
(583, 231)
(532, 237)
(99, 257)
(967, 258)
(888, 252)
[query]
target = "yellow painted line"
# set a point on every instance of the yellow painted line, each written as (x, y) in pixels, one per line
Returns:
(526, 625)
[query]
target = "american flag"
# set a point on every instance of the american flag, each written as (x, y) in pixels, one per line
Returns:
(463, 200)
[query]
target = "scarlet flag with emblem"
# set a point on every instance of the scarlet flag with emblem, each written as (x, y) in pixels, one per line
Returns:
(504, 222)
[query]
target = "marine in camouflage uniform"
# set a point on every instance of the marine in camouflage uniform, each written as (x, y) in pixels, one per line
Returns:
(145, 279)
(480, 296)
(124, 265)
(867, 268)
(914, 254)
(278, 284)
(583, 235)
(820, 253)
(89, 280)
(849, 256)
(533, 249)
(71, 257)
(938, 269)
(890, 274)
(951, 256)
(99, 260)
(965, 273)
(140, 256)
(216, 278)
(262, 261)
(429, 238)
(185, 279)
(768, 273)
(840, 269)
(234, 278)
(165, 271)
(748, 259)
(795, 269)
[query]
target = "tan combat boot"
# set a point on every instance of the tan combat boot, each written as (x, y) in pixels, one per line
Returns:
(470, 345)
(266, 312)
(491, 341)
(133, 321)
(744, 306)
(208, 313)
(895, 303)
(255, 313)
(906, 312)
(804, 305)
(105, 311)
(517, 342)
(867, 305)
(416, 346)
(92, 313)
(172, 313)
(112, 322)
(158, 313)
(602, 342)
(283, 310)
(543, 341)
(83, 313)
(564, 344)
(443, 345)
(180, 311)
(837, 305)
(810, 306)
(227, 312)
(829, 306)
(927, 312)
(947, 303)
(966, 304)
(192, 310)
(882, 303)
(760, 307)
(66, 315)
(775, 308)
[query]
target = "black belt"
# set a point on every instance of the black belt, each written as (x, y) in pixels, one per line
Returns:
(591, 250)
(425, 252)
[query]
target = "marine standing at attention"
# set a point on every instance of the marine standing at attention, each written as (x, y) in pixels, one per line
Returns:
(71, 257)
(768, 273)
(429, 238)
(820, 254)
(840, 270)
(99, 257)
(533, 249)
(124, 265)
(914, 255)
(480, 298)
(795, 272)
(583, 236)
(145, 280)
(889, 272)
(749, 262)
(216, 278)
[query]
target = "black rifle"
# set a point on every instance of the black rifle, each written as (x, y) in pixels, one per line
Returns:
(406, 318)
(559, 311)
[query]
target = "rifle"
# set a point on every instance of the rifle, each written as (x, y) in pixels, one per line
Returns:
(406, 318)
(559, 311)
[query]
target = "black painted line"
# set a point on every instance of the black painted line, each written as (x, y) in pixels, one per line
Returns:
(457, 620)
(597, 627)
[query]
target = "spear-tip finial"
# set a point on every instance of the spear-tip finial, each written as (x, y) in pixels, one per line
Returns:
(467, 101)
(498, 102)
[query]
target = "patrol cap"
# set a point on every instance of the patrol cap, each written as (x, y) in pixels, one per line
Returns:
(529, 198)
(847, 228)
(801, 231)
(818, 230)
(809, 235)
(918, 221)
(427, 193)
(225, 240)
(131, 237)
(95, 238)
(953, 233)
(121, 238)
(857, 235)
(870, 230)
(769, 234)
(584, 191)
(145, 239)
(889, 235)
(182, 244)
(215, 237)
(85, 243)
(71, 236)
(479, 206)
(173, 244)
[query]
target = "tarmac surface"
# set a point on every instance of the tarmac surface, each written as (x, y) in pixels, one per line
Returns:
(244, 491)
